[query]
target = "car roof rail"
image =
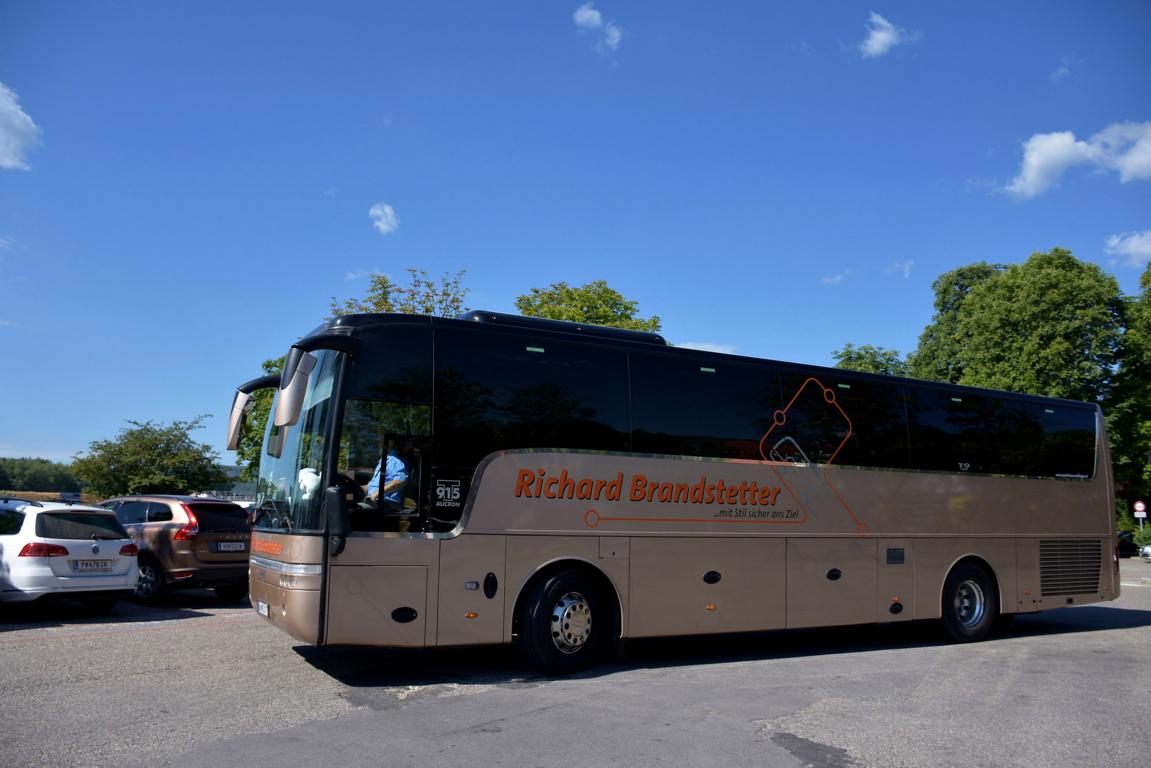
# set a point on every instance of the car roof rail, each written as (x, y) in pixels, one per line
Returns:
(13, 502)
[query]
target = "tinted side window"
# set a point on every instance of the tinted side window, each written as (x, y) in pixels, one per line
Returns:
(10, 522)
(959, 431)
(949, 430)
(498, 391)
(836, 419)
(158, 512)
(687, 405)
(398, 370)
(1068, 447)
(131, 512)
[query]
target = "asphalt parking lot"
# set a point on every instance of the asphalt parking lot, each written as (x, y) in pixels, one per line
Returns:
(196, 682)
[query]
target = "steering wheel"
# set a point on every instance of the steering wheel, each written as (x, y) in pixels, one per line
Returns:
(350, 488)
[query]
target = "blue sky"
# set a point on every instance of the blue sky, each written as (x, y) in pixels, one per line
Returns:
(184, 186)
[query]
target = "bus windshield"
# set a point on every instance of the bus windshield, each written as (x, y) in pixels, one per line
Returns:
(289, 490)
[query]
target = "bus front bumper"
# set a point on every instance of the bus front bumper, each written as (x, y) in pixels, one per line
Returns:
(288, 596)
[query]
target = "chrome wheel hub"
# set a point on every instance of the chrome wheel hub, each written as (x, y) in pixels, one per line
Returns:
(970, 603)
(147, 583)
(571, 622)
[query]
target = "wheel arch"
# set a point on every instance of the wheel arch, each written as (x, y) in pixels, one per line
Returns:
(604, 582)
(971, 559)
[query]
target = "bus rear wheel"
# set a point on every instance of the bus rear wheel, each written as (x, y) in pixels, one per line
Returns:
(563, 623)
(970, 603)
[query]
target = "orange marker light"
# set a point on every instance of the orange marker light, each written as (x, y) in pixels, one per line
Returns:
(471, 615)
(712, 606)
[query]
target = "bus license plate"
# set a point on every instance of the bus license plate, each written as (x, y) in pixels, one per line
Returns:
(261, 608)
(91, 566)
(231, 546)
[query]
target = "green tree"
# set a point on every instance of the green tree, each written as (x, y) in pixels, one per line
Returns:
(422, 296)
(150, 458)
(869, 359)
(596, 303)
(1129, 411)
(28, 474)
(1052, 325)
(939, 356)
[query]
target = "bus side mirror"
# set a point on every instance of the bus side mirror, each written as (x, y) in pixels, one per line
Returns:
(293, 387)
(241, 404)
(339, 518)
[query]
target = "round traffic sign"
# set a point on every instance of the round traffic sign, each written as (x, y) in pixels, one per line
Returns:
(1140, 506)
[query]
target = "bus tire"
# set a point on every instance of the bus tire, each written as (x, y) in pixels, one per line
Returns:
(564, 623)
(970, 603)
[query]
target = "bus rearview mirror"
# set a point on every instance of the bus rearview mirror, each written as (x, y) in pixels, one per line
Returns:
(339, 518)
(241, 404)
(291, 399)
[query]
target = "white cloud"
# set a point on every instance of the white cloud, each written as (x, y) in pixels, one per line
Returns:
(708, 346)
(587, 18)
(612, 35)
(882, 36)
(1126, 148)
(18, 134)
(8, 323)
(900, 268)
(837, 279)
(1063, 71)
(1045, 157)
(359, 274)
(1134, 246)
(384, 218)
(1123, 147)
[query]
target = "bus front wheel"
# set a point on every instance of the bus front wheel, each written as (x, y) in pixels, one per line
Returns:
(563, 623)
(970, 603)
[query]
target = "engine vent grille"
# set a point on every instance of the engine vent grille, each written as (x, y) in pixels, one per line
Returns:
(1070, 566)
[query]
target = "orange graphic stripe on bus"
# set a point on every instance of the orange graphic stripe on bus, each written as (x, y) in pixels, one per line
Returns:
(779, 418)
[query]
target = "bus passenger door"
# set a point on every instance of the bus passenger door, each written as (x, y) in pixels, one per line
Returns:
(831, 582)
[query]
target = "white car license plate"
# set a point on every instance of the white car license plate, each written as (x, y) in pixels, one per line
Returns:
(91, 566)
(261, 608)
(231, 546)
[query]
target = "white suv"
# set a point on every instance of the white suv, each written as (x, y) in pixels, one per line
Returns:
(49, 549)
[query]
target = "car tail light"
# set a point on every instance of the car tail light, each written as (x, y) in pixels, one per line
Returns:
(129, 550)
(40, 549)
(191, 530)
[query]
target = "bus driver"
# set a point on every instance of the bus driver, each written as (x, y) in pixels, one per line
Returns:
(395, 478)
